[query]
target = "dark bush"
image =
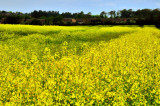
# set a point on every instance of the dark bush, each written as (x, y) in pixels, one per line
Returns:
(13, 19)
(36, 22)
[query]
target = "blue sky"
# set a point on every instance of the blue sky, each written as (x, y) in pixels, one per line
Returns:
(94, 6)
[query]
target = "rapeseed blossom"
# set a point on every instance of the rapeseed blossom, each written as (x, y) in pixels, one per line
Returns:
(79, 66)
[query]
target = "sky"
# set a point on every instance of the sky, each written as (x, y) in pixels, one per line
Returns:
(93, 6)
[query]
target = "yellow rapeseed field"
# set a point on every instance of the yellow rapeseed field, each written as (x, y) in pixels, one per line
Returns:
(79, 65)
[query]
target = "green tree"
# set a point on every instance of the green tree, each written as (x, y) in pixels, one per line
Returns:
(103, 14)
(144, 13)
(112, 14)
(67, 15)
(124, 13)
(89, 15)
(49, 21)
(80, 15)
(57, 20)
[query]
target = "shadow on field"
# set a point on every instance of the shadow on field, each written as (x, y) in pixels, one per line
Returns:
(103, 37)
(18, 34)
(158, 26)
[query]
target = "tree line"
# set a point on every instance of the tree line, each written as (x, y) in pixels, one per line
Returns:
(141, 16)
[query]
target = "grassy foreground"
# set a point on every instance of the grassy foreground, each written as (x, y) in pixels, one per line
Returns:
(79, 65)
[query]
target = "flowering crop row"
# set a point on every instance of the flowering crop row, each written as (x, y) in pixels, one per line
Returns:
(99, 65)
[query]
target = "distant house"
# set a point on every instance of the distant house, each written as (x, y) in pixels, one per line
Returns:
(71, 20)
(117, 20)
(80, 21)
(120, 20)
(28, 21)
(2, 21)
(94, 20)
(103, 19)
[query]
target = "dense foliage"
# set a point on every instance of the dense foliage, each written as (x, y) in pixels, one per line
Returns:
(89, 65)
(141, 17)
